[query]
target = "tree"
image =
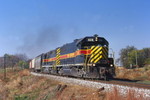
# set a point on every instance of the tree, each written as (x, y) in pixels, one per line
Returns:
(147, 61)
(23, 60)
(125, 56)
(130, 56)
(14, 60)
(144, 56)
(146, 52)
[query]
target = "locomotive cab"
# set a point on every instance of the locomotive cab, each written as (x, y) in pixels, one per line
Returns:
(98, 48)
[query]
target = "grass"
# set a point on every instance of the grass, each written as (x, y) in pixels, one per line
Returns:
(134, 74)
(131, 95)
(21, 85)
(22, 97)
(144, 82)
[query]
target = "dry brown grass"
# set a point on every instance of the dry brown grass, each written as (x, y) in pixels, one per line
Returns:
(133, 74)
(21, 85)
(78, 93)
(131, 95)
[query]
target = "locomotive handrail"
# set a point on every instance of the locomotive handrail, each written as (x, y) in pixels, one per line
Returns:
(85, 63)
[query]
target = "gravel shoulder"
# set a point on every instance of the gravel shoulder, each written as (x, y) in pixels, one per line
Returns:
(122, 90)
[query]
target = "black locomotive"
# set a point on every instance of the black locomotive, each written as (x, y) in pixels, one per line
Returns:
(86, 58)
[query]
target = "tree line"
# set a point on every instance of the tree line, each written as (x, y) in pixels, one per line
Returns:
(17, 60)
(132, 57)
(129, 57)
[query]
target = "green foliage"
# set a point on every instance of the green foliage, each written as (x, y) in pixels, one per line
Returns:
(22, 97)
(26, 96)
(130, 56)
(144, 82)
(14, 60)
(147, 61)
(125, 55)
(147, 67)
(23, 64)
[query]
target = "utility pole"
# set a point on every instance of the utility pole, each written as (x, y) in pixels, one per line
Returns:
(12, 63)
(4, 66)
(136, 62)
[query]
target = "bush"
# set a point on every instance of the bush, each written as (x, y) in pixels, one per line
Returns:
(147, 61)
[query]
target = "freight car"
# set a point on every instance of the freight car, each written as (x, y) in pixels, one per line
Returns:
(86, 57)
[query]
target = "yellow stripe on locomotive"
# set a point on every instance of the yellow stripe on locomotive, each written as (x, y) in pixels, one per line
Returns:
(58, 56)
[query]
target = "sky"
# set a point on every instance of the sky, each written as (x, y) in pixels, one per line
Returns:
(38, 26)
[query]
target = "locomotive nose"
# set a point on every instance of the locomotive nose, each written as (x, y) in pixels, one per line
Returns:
(98, 53)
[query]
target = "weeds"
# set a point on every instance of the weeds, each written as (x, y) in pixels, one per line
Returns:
(22, 97)
(131, 95)
(21, 85)
(133, 74)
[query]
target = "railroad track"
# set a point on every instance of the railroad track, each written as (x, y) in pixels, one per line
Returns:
(116, 81)
(123, 82)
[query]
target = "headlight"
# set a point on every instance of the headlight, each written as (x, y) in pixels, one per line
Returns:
(93, 64)
(111, 65)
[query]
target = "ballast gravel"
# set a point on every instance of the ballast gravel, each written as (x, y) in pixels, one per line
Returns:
(123, 90)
